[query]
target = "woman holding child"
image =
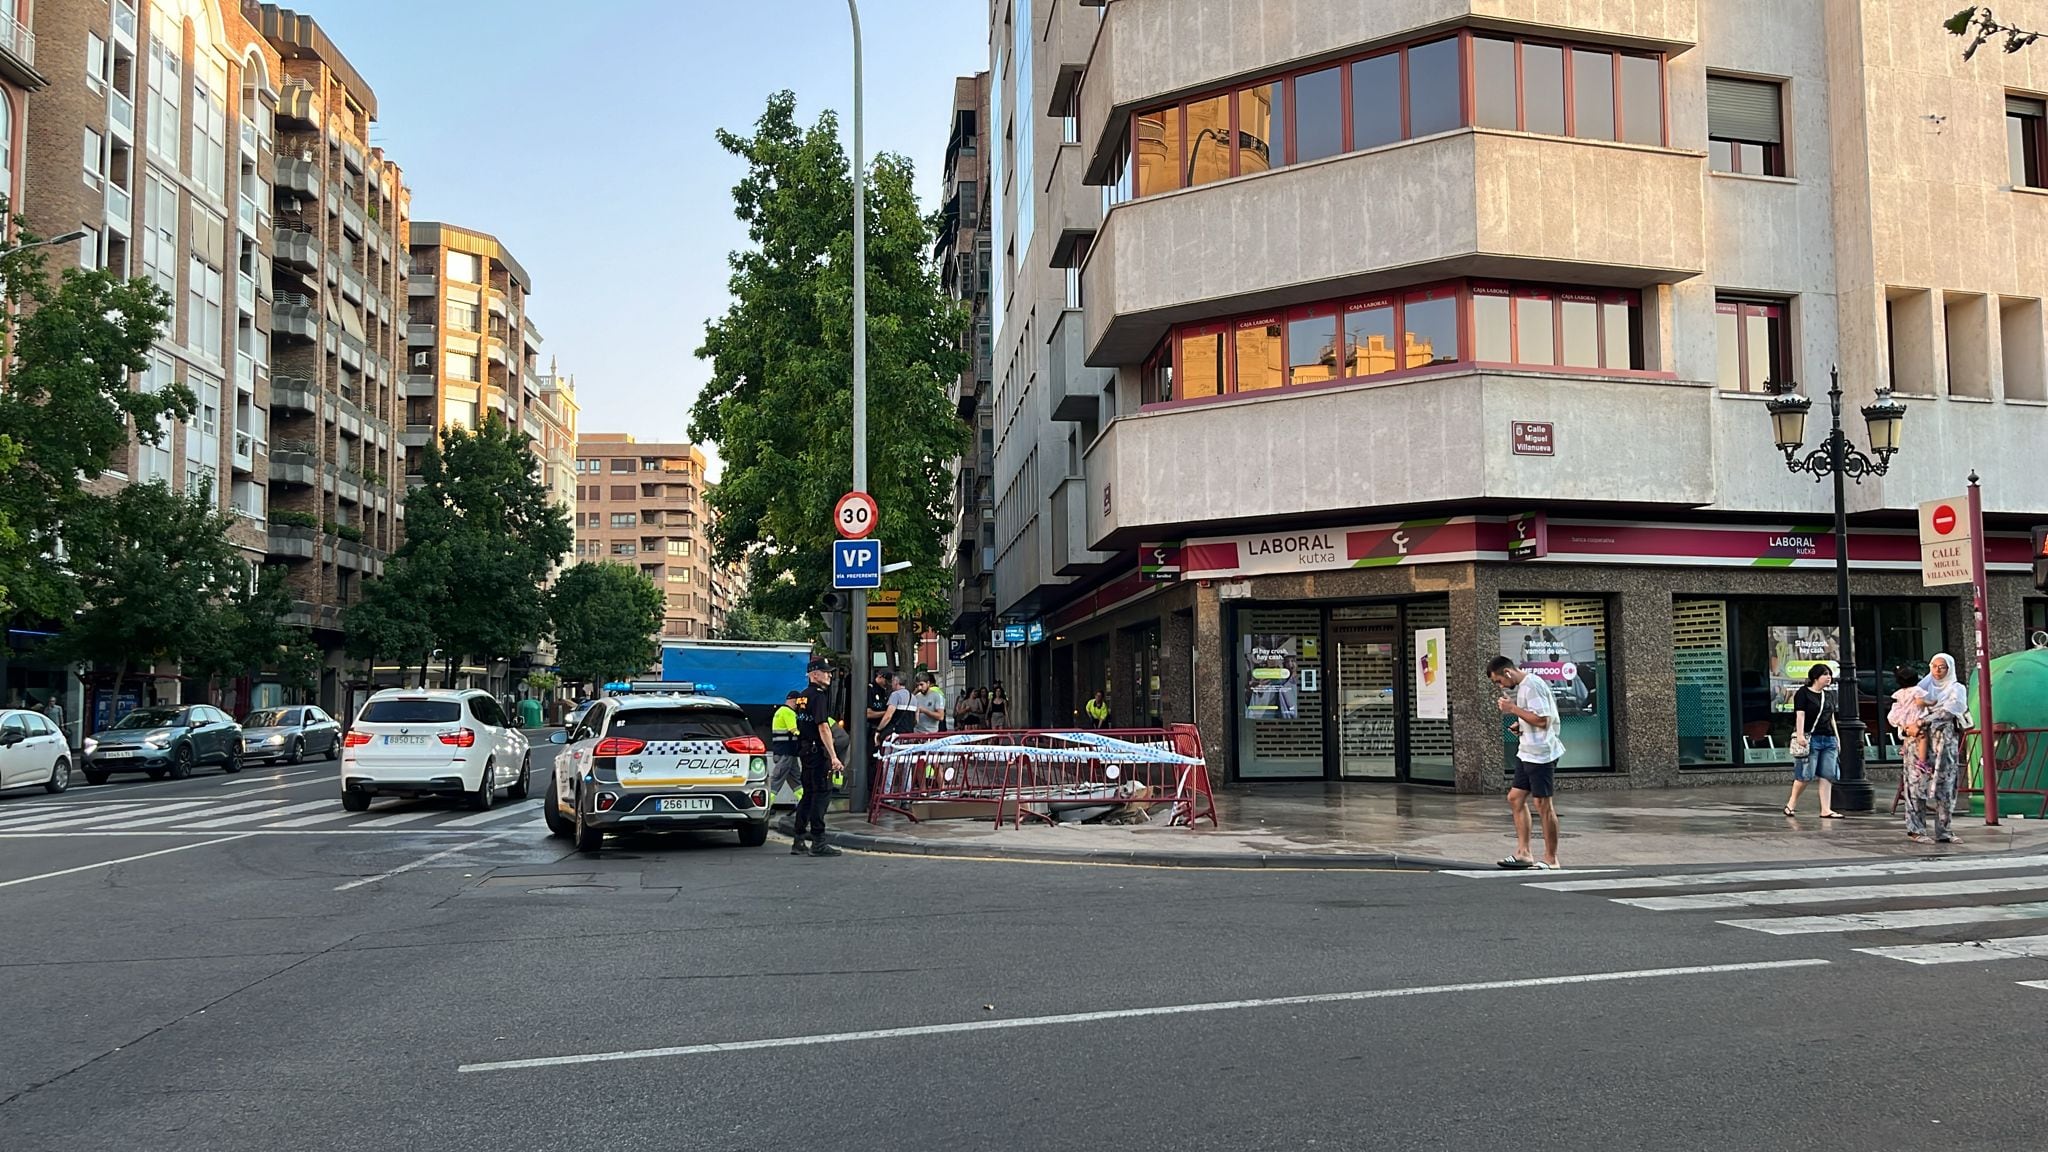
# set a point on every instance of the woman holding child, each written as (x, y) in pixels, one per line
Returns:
(1939, 710)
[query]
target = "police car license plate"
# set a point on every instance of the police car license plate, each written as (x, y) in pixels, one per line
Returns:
(684, 804)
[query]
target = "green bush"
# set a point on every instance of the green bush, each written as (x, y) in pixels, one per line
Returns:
(295, 519)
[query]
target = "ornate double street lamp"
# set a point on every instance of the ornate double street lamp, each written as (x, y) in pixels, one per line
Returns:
(1836, 457)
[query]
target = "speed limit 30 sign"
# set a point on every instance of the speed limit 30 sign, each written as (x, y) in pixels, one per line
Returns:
(854, 515)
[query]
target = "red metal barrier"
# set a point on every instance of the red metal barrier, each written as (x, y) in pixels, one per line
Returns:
(2020, 758)
(1044, 773)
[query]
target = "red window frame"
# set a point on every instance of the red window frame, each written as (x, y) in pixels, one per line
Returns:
(1742, 308)
(1571, 109)
(1325, 312)
(1181, 336)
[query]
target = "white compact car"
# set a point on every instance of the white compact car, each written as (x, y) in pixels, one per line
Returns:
(432, 742)
(32, 751)
(659, 763)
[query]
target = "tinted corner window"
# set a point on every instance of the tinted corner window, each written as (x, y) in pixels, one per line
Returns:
(1435, 88)
(1376, 101)
(1318, 115)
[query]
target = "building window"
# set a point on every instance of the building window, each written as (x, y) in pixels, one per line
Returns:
(210, 126)
(1395, 94)
(1563, 642)
(1745, 126)
(679, 547)
(160, 233)
(166, 80)
(204, 313)
(625, 520)
(96, 62)
(625, 549)
(459, 366)
(463, 315)
(465, 267)
(458, 413)
(2024, 139)
(93, 153)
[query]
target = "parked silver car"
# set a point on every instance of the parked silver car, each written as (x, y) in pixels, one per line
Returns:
(289, 734)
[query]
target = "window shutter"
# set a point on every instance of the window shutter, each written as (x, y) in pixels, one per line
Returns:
(1746, 110)
(2025, 106)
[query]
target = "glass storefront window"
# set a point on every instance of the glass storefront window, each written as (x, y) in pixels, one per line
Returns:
(1279, 692)
(1261, 128)
(1208, 133)
(1256, 352)
(1312, 348)
(1699, 667)
(1376, 101)
(1158, 144)
(1431, 318)
(1429, 746)
(1369, 337)
(1564, 641)
(1200, 370)
(1318, 115)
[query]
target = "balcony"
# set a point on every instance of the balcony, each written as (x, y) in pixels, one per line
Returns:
(120, 208)
(293, 464)
(18, 53)
(1076, 388)
(494, 351)
(245, 293)
(121, 115)
(421, 333)
(421, 385)
(293, 394)
(246, 448)
(1471, 202)
(292, 317)
(298, 104)
(1412, 442)
(1147, 50)
(529, 333)
(299, 178)
(351, 218)
(125, 22)
(422, 284)
(296, 249)
(352, 284)
(1073, 208)
(417, 435)
(494, 300)
(289, 542)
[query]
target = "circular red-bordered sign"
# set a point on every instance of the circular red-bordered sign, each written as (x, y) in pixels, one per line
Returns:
(1944, 519)
(855, 516)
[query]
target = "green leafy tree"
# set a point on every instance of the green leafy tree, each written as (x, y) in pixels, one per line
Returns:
(151, 567)
(606, 618)
(67, 407)
(394, 619)
(1977, 23)
(750, 624)
(481, 537)
(248, 634)
(779, 405)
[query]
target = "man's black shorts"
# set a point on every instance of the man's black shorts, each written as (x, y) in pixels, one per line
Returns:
(1536, 779)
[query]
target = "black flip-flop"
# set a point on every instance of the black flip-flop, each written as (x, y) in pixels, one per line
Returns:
(1516, 863)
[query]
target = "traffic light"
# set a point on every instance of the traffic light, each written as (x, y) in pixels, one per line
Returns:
(835, 621)
(2041, 557)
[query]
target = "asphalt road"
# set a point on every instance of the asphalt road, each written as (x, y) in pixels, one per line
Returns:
(334, 984)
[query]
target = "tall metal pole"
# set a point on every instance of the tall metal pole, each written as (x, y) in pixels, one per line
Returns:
(1853, 793)
(860, 674)
(1987, 738)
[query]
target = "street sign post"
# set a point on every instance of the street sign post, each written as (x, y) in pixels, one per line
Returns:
(1987, 742)
(1949, 553)
(856, 563)
(854, 516)
(883, 617)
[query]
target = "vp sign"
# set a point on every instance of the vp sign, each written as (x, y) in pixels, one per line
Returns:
(856, 564)
(1946, 556)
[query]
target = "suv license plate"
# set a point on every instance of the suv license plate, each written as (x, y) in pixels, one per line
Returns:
(405, 739)
(684, 804)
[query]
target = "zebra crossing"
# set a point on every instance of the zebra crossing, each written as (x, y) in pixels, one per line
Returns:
(269, 815)
(1925, 911)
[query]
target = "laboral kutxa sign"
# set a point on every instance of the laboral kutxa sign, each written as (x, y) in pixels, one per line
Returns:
(1326, 549)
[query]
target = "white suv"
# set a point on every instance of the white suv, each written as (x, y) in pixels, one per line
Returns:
(432, 742)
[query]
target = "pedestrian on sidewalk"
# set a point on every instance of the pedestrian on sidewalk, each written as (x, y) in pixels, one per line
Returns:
(1816, 740)
(1527, 698)
(820, 758)
(1931, 779)
(973, 711)
(998, 707)
(785, 766)
(929, 703)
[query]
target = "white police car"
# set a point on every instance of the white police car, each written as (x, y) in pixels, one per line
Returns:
(657, 763)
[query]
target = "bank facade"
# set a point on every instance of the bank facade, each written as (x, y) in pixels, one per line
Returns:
(1338, 359)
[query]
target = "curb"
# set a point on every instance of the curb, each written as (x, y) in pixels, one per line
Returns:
(1325, 861)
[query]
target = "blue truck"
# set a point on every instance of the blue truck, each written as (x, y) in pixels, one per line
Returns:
(755, 676)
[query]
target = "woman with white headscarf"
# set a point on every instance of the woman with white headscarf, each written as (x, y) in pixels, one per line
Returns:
(1931, 782)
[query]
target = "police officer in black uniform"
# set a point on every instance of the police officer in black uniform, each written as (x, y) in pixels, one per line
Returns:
(819, 757)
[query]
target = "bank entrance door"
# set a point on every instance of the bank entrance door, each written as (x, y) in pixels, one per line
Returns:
(1365, 708)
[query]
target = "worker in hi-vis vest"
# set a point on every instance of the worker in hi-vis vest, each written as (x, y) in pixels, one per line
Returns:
(1098, 710)
(785, 768)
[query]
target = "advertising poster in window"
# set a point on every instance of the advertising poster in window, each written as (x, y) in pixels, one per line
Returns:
(1565, 658)
(1432, 688)
(1272, 676)
(1794, 650)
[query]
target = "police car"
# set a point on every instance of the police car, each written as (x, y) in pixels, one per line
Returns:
(659, 762)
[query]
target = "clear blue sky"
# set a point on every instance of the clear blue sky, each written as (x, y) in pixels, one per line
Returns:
(581, 135)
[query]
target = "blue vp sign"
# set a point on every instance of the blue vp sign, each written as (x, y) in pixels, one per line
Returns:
(856, 564)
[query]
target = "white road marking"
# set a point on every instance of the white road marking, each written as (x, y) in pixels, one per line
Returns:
(1128, 1014)
(420, 863)
(182, 817)
(111, 863)
(1902, 918)
(53, 813)
(333, 782)
(1966, 951)
(2041, 984)
(261, 779)
(265, 814)
(334, 812)
(494, 815)
(1518, 874)
(406, 817)
(1823, 872)
(1767, 897)
(431, 830)
(102, 814)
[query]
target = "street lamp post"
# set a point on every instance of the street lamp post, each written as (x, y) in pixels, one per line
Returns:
(1839, 459)
(858, 676)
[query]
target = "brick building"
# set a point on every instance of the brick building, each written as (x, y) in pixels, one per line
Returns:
(18, 78)
(471, 348)
(643, 505)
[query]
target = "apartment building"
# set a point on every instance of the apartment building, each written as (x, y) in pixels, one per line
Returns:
(338, 280)
(472, 348)
(1344, 347)
(963, 251)
(642, 504)
(155, 139)
(18, 78)
(556, 413)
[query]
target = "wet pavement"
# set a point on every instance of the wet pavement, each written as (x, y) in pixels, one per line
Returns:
(1319, 824)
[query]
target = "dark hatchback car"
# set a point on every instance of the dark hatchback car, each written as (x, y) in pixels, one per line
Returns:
(165, 742)
(290, 734)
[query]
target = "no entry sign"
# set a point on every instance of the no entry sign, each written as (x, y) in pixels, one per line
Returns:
(1945, 553)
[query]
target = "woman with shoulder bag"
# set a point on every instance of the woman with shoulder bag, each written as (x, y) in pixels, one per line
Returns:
(1816, 741)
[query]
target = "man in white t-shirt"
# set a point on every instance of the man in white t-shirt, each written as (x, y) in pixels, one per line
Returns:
(930, 704)
(1536, 754)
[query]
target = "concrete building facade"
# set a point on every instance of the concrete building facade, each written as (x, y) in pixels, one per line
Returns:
(642, 505)
(1407, 335)
(963, 252)
(338, 275)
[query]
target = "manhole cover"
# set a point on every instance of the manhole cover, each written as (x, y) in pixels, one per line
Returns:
(574, 890)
